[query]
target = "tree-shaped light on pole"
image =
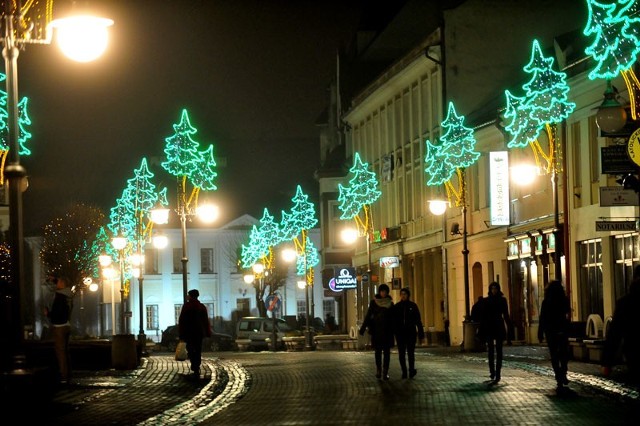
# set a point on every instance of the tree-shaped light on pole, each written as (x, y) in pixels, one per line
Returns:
(189, 165)
(615, 28)
(452, 155)
(544, 104)
(295, 226)
(356, 198)
(23, 134)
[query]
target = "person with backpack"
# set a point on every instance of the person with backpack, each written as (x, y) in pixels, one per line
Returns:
(379, 322)
(59, 315)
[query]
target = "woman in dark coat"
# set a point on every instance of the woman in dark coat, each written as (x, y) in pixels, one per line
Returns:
(378, 321)
(495, 327)
(554, 324)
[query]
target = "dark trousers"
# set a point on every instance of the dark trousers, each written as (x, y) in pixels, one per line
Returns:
(382, 355)
(495, 362)
(407, 349)
(194, 351)
(558, 344)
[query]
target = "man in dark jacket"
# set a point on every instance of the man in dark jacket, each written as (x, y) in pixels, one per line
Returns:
(554, 322)
(407, 326)
(193, 326)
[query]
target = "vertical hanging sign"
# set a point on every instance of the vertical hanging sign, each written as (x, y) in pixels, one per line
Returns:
(499, 187)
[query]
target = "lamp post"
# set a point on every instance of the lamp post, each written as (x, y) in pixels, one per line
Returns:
(119, 243)
(20, 28)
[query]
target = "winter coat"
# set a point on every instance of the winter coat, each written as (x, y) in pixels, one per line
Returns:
(407, 324)
(495, 321)
(193, 323)
(60, 312)
(554, 312)
(379, 322)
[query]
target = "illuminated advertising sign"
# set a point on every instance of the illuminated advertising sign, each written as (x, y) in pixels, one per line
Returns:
(344, 279)
(389, 262)
(499, 187)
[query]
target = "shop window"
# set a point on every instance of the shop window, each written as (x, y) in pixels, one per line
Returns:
(590, 282)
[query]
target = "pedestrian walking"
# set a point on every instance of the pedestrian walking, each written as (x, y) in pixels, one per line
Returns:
(193, 326)
(59, 315)
(407, 327)
(378, 322)
(622, 336)
(554, 323)
(495, 327)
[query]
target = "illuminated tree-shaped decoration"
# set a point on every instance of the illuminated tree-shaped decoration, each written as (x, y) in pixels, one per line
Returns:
(545, 104)
(23, 134)
(301, 217)
(188, 164)
(204, 173)
(522, 128)
(181, 150)
(438, 170)
(456, 151)
(313, 259)
(356, 198)
(253, 252)
(102, 245)
(615, 28)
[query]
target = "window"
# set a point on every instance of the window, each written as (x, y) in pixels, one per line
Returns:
(152, 317)
(176, 312)
(206, 260)
(302, 307)
(590, 284)
(327, 308)
(177, 260)
(626, 255)
(151, 262)
(210, 311)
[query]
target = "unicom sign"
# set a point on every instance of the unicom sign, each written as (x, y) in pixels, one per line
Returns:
(345, 278)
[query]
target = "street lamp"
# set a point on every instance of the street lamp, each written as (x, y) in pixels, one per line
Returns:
(20, 26)
(119, 243)
(206, 212)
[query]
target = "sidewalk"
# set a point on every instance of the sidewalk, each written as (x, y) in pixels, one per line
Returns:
(161, 391)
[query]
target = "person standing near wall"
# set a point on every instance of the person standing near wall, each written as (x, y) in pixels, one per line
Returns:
(59, 315)
(554, 324)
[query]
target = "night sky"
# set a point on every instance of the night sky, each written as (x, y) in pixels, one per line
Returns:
(252, 74)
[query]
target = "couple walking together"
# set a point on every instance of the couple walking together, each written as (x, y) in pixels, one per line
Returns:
(386, 321)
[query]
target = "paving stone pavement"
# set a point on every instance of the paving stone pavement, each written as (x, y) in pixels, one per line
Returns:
(339, 388)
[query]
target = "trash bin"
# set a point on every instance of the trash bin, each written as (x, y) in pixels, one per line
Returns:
(471, 341)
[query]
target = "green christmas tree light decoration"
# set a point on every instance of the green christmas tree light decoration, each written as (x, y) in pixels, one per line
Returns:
(615, 28)
(23, 134)
(454, 153)
(296, 224)
(544, 105)
(253, 252)
(204, 174)
(188, 164)
(356, 198)
(302, 216)
(313, 259)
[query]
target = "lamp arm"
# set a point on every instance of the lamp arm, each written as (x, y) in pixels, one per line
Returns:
(193, 198)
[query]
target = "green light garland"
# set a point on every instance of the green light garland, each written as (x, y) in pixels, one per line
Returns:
(361, 191)
(181, 150)
(23, 122)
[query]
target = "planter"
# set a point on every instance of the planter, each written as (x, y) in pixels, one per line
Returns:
(330, 342)
(595, 349)
(579, 350)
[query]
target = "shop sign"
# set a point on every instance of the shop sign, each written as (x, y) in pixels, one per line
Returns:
(612, 196)
(499, 187)
(344, 279)
(389, 262)
(615, 225)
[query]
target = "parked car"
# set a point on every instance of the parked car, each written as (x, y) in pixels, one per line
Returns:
(258, 329)
(217, 341)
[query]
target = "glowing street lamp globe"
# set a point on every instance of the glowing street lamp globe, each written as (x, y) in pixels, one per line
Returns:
(289, 255)
(82, 38)
(104, 260)
(349, 235)
(207, 212)
(159, 215)
(524, 174)
(302, 284)
(160, 241)
(438, 207)
(248, 278)
(119, 243)
(258, 268)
